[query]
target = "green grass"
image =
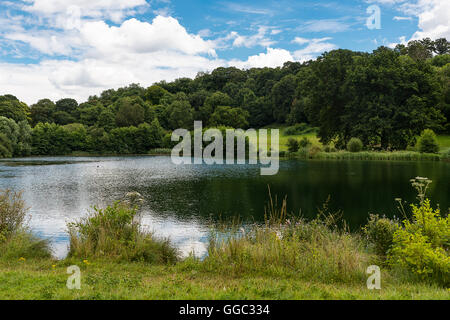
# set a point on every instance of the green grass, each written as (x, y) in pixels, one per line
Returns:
(101, 280)
(443, 140)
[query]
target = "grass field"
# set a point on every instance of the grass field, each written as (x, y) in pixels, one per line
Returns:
(45, 280)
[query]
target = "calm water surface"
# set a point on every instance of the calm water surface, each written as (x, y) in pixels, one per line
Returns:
(180, 200)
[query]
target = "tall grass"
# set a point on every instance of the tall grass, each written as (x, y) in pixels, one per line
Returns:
(115, 233)
(16, 241)
(288, 246)
(367, 155)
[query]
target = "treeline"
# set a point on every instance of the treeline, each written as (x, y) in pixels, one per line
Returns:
(385, 98)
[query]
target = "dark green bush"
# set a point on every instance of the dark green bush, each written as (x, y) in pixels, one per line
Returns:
(305, 142)
(380, 233)
(293, 145)
(355, 145)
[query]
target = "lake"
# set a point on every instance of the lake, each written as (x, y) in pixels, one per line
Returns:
(181, 200)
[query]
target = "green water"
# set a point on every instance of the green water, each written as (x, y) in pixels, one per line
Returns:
(181, 200)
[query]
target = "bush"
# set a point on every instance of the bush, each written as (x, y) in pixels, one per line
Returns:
(422, 245)
(305, 142)
(379, 233)
(355, 145)
(293, 145)
(329, 149)
(428, 142)
(314, 150)
(115, 233)
(15, 240)
(12, 212)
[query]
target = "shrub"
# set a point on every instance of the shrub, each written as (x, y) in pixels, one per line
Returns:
(293, 145)
(422, 245)
(115, 233)
(314, 150)
(428, 142)
(355, 145)
(379, 233)
(305, 142)
(329, 149)
(15, 240)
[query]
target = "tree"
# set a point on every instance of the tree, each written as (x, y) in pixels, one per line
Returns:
(130, 112)
(230, 117)
(63, 118)
(180, 114)
(154, 94)
(441, 46)
(283, 93)
(420, 50)
(389, 100)
(107, 119)
(12, 108)
(42, 111)
(69, 106)
(211, 103)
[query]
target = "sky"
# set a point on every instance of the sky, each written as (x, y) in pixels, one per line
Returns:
(77, 48)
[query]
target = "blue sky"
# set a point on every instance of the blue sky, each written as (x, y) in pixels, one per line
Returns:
(76, 48)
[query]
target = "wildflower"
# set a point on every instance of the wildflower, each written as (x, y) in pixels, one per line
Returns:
(54, 266)
(22, 259)
(86, 262)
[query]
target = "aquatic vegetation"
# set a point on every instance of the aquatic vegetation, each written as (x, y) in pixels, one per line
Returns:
(116, 233)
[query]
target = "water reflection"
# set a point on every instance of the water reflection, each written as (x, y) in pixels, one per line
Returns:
(180, 200)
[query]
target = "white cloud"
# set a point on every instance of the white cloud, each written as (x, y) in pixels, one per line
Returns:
(313, 48)
(433, 16)
(396, 18)
(258, 39)
(115, 10)
(272, 58)
(100, 56)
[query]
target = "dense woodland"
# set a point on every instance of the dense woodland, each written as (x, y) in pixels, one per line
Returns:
(385, 98)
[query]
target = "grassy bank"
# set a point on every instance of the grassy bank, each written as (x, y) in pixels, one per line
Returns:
(44, 279)
(286, 257)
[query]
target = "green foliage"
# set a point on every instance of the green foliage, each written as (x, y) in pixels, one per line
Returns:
(379, 233)
(298, 129)
(115, 233)
(355, 145)
(293, 145)
(305, 142)
(428, 142)
(386, 98)
(12, 108)
(422, 245)
(130, 112)
(16, 140)
(229, 117)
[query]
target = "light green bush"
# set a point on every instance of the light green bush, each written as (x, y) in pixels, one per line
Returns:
(422, 245)
(428, 142)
